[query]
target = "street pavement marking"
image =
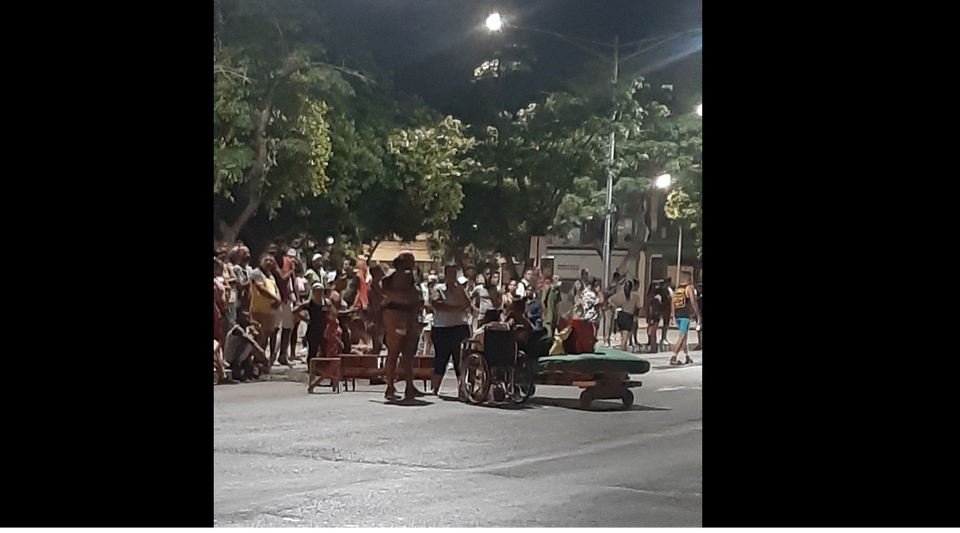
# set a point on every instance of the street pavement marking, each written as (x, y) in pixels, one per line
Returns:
(587, 449)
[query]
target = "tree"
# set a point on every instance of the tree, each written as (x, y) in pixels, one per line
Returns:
(524, 168)
(425, 196)
(683, 202)
(271, 136)
(527, 157)
(650, 141)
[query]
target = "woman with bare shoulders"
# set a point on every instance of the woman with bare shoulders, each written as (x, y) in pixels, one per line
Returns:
(402, 302)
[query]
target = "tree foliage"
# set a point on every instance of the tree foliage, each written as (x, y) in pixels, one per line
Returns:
(271, 136)
(424, 194)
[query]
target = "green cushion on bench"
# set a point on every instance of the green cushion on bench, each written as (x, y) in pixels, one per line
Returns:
(607, 360)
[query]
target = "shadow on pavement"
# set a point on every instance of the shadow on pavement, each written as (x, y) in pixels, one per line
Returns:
(403, 403)
(506, 406)
(669, 366)
(599, 406)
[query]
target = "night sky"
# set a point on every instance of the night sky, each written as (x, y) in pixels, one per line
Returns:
(432, 46)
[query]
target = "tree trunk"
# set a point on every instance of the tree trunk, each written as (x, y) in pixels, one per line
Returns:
(630, 263)
(373, 250)
(509, 269)
(254, 180)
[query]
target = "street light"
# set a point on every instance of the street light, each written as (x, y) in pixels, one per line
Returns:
(663, 182)
(494, 22)
(330, 241)
(699, 110)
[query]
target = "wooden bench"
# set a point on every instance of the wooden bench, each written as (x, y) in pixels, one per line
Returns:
(361, 366)
(324, 368)
(371, 367)
(422, 370)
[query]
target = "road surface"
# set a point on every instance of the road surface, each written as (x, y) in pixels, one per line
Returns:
(286, 458)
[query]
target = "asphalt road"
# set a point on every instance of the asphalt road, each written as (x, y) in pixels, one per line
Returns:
(286, 458)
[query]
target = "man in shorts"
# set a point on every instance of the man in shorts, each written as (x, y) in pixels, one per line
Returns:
(684, 308)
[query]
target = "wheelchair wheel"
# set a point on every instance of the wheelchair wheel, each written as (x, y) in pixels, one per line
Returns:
(475, 376)
(523, 380)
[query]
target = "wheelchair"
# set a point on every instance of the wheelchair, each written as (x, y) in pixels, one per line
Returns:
(500, 367)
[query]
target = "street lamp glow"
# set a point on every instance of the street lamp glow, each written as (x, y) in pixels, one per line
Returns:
(663, 181)
(330, 240)
(699, 110)
(494, 23)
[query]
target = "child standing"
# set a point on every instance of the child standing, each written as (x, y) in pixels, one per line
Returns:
(332, 334)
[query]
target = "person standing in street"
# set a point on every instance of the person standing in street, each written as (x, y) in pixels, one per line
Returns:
(684, 308)
(496, 295)
(666, 309)
(580, 285)
(318, 309)
(265, 301)
(402, 303)
(586, 334)
(590, 302)
(483, 300)
(625, 304)
(426, 316)
(230, 284)
(450, 327)
(699, 345)
(303, 293)
(550, 296)
(654, 315)
(509, 295)
(316, 272)
(219, 301)
(374, 313)
(608, 312)
(242, 271)
(525, 286)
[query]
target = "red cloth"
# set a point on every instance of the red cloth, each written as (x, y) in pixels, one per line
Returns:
(582, 339)
(332, 338)
(587, 339)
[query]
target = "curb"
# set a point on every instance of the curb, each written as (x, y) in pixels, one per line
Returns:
(297, 374)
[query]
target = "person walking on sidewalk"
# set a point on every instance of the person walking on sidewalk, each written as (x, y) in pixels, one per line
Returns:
(684, 308)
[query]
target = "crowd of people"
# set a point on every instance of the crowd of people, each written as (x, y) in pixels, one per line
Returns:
(276, 310)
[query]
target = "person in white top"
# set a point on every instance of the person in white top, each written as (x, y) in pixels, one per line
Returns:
(450, 304)
(525, 285)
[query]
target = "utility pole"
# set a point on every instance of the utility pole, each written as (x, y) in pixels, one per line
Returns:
(608, 230)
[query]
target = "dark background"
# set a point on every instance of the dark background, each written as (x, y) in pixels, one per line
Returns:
(432, 46)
